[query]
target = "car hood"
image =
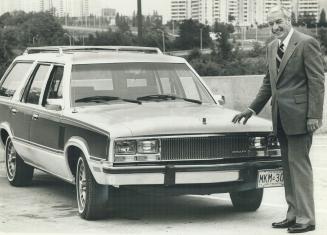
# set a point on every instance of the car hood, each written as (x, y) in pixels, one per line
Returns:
(165, 118)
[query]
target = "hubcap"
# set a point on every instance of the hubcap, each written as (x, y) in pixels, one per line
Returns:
(81, 185)
(11, 160)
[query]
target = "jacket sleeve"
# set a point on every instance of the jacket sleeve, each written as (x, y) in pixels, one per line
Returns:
(314, 69)
(264, 93)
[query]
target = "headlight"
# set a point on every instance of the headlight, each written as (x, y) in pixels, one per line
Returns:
(272, 142)
(148, 146)
(257, 143)
(264, 146)
(125, 147)
(137, 150)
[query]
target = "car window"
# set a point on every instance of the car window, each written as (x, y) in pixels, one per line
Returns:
(133, 80)
(54, 86)
(14, 77)
(36, 83)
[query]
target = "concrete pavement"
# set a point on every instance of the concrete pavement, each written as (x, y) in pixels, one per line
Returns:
(48, 206)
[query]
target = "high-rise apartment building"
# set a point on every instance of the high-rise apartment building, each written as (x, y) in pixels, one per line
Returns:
(180, 10)
(84, 8)
(205, 11)
(225, 11)
(202, 10)
(308, 8)
(239, 12)
(233, 10)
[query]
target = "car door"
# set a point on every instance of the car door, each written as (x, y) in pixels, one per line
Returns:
(26, 107)
(45, 130)
(11, 113)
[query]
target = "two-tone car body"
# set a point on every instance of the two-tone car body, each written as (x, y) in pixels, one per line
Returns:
(116, 117)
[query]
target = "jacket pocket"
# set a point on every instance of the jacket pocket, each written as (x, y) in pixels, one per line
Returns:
(299, 99)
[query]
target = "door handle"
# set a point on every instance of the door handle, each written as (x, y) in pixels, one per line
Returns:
(14, 111)
(35, 117)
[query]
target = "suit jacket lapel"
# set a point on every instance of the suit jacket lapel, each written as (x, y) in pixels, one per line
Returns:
(272, 60)
(288, 53)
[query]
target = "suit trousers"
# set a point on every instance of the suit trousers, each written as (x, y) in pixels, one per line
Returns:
(298, 176)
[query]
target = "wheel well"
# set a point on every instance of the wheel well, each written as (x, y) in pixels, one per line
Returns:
(73, 154)
(4, 136)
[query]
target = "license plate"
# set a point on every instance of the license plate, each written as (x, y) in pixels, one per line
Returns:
(270, 178)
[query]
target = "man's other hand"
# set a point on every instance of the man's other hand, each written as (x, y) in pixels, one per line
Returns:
(313, 124)
(245, 114)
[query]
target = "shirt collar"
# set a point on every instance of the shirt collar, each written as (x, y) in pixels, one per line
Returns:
(287, 39)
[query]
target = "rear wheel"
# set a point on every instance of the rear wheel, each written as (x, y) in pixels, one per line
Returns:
(91, 197)
(18, 172)
(249, 200)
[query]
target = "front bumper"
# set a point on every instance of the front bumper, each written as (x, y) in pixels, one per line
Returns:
(170, 174)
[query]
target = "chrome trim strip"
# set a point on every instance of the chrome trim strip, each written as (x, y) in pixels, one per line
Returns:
(170, 136)
(181, 167)
(136, 168)
(38, 145)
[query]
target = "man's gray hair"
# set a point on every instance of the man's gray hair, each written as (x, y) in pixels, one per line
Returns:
(279, 8)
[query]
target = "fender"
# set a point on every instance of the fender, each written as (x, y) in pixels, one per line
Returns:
(95, 164)
(5, 126)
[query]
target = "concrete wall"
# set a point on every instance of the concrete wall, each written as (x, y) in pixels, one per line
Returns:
(239, 92)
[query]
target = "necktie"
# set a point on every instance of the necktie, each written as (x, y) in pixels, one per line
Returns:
(280, 54)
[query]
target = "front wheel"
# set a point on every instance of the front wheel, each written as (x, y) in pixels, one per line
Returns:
(249, 200)
(18, 172)
(91, 197)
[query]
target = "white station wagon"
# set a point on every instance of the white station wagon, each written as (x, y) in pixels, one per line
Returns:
(106, 118)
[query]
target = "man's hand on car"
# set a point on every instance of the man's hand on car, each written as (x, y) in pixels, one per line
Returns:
(245, 114)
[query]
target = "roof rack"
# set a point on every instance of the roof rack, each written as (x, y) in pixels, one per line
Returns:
(63, 49)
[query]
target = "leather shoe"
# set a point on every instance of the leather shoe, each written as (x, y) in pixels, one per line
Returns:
(301, 228)
(283, 224)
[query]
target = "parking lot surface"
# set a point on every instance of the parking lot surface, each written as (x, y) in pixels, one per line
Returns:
(49, 206)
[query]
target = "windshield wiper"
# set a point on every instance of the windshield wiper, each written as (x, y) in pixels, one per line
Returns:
(166, 97)
(101, 99)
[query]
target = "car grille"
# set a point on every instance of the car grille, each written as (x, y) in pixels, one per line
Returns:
(198, 148)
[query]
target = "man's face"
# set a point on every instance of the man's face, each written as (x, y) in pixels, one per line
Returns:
(279, 24)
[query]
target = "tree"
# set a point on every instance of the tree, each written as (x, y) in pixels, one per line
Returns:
(223, 32)
(307, 19)
(190, 35)
(322, 19)
(122, 23)
(323, 39)
(18, 29)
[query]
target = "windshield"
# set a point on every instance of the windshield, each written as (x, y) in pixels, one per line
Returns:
(134, 81)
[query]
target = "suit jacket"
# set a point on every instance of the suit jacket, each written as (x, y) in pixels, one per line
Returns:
(297, 89)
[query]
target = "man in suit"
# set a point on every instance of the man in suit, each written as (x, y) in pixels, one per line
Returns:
(295, 83)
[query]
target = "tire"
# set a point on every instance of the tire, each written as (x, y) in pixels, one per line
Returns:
(247, 200)
(18, 172)
(92, 197)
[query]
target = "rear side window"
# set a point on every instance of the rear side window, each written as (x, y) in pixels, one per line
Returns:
(36, 83)
(55, 83)
(14, 78)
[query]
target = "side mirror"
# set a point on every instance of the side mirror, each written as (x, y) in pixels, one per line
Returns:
(54, 104)
(220, 99)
